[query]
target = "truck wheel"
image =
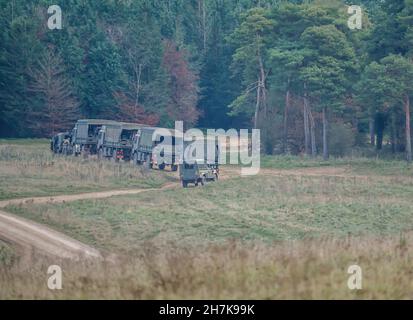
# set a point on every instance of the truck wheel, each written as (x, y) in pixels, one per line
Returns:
(147, 162)
(174, 168)
(161, 166)
(84, 153)
(135, 159)
(75, 151)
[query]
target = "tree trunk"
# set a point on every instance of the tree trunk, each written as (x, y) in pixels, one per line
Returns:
(285, 134)
(257, 105)
(202, 23)
(261, 90)
(325, 128)
(408, 132)
(306, 126)
(138, 74)
(312, 127)
(379, 128)
(371, 129)
(393, 134)
(261, 84)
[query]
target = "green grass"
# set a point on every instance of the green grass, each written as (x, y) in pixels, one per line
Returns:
(366, 166)
(26, 142)
(264, 209)
(28, 169)
(289, 233)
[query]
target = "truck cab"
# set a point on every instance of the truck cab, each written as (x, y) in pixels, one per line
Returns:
(60, 143)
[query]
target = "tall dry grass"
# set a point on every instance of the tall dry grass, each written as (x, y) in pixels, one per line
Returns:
(33, 171)
(287, 270)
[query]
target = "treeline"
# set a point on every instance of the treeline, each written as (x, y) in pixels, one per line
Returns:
(294, 69)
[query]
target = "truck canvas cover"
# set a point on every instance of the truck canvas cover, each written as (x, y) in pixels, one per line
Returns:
(88, 129)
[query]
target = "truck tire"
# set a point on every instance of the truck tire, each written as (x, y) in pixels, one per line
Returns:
(84, 154)
(147, 162)
(174, 168)
(114, 157)
(162, 166)
(135, 159)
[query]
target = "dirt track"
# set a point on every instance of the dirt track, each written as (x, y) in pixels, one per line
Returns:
(82, 196)
(27, 234)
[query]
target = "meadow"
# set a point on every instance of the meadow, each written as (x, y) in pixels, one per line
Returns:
(262, 208)
(29, 169)
(289, 233)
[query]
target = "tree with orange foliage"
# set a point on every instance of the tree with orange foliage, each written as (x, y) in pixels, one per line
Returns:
(182, 83)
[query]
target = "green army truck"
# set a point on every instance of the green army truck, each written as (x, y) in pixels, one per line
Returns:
(85, 135)
(200, 170)
(144, 144)
(197, 173)
(115, 140)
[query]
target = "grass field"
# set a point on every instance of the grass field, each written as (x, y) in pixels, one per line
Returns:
(262, 208)
(290, 232)
(357, 165)
(27, 168)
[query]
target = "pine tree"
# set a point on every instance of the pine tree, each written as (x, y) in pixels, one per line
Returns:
(55, 107)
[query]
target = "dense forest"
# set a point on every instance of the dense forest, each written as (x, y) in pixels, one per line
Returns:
(293, 69)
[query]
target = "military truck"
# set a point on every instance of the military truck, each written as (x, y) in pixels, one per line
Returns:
(85, 135)
(197, 173)
(144, 143)
(115, 140)
(60, 143)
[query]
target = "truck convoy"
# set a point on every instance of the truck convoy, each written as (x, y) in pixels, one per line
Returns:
(138, 143)
(120, 141)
